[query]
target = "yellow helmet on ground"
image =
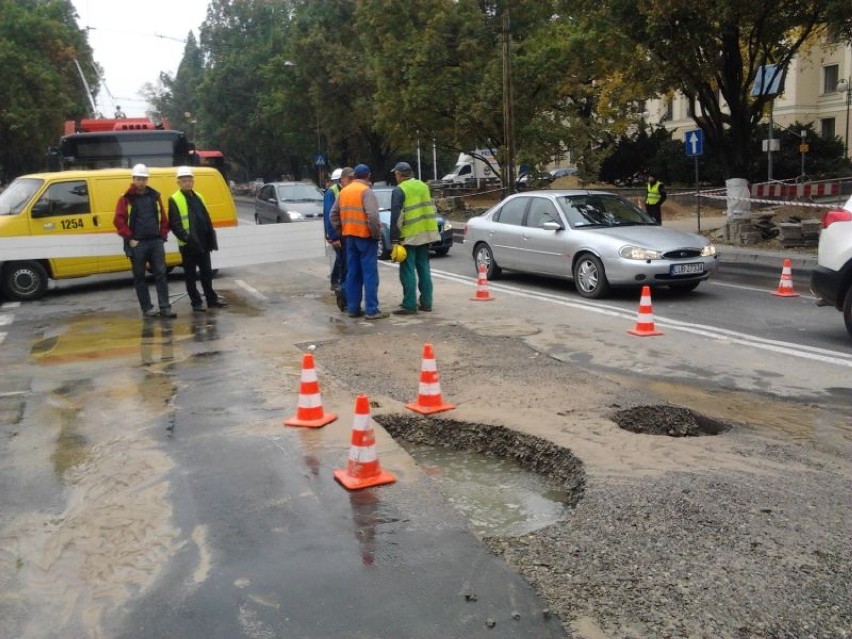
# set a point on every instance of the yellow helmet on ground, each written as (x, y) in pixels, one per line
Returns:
(398, 253)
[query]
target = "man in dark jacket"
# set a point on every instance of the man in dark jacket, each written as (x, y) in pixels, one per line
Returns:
(141, 220)
(190, 221)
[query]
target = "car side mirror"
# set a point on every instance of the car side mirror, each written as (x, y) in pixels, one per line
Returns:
(271, 200)
(552, 226)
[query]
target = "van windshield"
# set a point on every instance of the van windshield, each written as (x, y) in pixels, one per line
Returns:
(15, 197)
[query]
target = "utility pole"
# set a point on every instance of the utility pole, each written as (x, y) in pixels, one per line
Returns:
(508, 133)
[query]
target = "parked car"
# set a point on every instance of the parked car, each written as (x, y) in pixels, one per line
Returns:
(287, 202)
(599, 240)
(831, 280)
(564, 171)
(383, 195)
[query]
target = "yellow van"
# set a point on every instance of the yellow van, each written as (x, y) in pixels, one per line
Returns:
(72, 210)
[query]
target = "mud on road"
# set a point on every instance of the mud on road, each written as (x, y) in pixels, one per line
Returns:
(742, 532)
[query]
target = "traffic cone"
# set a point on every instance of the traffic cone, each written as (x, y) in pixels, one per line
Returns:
(645, 317)
(309, 411)
(429, 398)
(363, 469)
(785, 285)
(482, 293)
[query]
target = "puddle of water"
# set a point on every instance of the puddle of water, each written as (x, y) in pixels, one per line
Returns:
(497, 497)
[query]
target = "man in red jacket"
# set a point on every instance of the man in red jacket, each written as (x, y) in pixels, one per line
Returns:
(143, 222)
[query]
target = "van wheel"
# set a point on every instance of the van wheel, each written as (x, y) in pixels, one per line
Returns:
(847, 311)
(24, 281)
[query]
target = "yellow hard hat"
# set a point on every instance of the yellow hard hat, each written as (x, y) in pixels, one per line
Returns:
(398, 253)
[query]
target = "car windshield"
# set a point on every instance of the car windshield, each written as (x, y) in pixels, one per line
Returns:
(596, 209)
(299, 193)
(383, 196)
(15, 197)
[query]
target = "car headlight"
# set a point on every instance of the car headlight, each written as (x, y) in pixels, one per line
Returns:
(708, 251)
(448, 226)
(639, 253)
(294, 215)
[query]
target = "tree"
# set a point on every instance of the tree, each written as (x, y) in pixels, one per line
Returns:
(39, 84)
(713, 51)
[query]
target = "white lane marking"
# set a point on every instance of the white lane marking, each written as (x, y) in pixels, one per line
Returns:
(787, 348)
(251, 290)
(754, 289)
(6, 305)
(6, 318)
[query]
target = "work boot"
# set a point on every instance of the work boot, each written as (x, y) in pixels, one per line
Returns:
(376, 316)
(151, 312)
(167, 311)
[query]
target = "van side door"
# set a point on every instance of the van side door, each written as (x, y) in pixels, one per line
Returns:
(64, 209)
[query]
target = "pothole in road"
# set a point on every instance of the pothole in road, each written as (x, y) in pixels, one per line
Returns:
(672, 421)
(506, 483)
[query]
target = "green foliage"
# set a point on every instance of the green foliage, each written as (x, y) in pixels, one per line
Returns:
(712, 52)
(39, 84)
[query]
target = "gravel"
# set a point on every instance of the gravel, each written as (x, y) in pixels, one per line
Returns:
(757, 547)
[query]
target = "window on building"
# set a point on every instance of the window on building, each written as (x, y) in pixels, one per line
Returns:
(669, 110)
(830, 76)
(826, 128)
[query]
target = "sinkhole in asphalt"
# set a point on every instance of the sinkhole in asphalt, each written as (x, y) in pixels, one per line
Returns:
(671, 421)
(504, 482)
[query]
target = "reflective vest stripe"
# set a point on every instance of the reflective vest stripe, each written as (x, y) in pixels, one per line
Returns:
(353, 217)
(653, 196)
(183, 207)
(418, 212)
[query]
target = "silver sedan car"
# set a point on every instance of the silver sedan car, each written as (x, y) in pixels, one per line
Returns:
(598, 239)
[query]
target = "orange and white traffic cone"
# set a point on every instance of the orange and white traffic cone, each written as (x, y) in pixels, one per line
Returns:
(645, 317)
(429, 397)
(363, 469)
(482, 292)
(785, 285)
(309, 411)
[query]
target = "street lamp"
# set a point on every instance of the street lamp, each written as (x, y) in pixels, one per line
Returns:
(803, 148)
(845, 86)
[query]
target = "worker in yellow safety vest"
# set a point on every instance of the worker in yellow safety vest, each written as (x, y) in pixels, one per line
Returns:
(654, 198)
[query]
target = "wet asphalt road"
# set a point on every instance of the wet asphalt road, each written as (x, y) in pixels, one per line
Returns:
(152, 491)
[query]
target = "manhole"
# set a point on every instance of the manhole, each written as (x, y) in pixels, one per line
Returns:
(505, 482)
(672, 421)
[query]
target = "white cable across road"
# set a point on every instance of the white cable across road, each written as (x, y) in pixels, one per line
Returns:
(786, 348)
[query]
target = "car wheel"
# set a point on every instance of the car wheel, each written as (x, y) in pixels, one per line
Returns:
(441, 252)
(847, 311)
(684, 288)
(24, 281)
(482, 255)
(589, 277)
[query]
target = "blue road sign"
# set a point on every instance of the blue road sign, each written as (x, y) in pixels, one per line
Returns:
(694, 142)
(319, 160)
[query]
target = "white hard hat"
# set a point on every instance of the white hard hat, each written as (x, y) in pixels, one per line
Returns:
(140, 170)
(184, 171)
(336, 174)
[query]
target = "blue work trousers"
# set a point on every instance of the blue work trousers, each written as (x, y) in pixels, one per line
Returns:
(362, 274)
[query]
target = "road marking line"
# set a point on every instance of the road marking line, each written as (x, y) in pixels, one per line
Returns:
(6, 318)
(775, 346)
(251, 290)
(5, 305)
(754, 289)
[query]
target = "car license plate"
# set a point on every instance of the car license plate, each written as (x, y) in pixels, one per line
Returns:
(687, 269)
